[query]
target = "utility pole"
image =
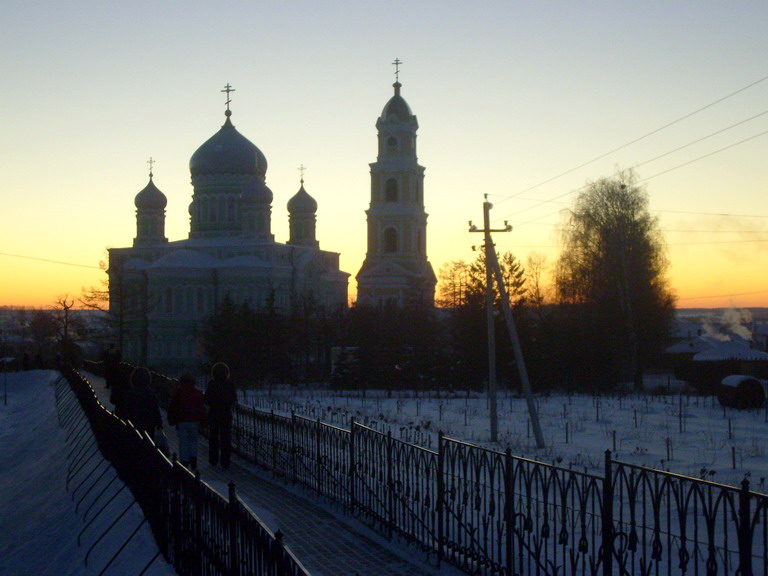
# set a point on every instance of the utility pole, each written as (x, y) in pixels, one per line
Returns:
(492, 267)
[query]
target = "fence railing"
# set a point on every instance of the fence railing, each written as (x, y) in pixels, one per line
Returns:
(489, 512)
(196, 529)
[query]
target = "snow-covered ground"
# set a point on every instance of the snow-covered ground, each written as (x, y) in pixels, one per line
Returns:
(678, 432)
(40, 518)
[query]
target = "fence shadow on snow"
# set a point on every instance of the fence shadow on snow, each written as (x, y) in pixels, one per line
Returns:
(197, 530)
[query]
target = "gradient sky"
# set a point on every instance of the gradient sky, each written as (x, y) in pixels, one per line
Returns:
(523, 101)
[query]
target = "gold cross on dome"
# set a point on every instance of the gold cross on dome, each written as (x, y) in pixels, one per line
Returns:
(151, 163)
(302, 169)
(228, 89)
(396, 64)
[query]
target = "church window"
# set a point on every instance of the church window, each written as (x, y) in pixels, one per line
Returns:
(391, 145)
(390, 241)
(390, 190)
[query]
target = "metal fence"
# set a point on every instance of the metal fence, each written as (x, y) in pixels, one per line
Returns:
(197, 530)
(489, 512)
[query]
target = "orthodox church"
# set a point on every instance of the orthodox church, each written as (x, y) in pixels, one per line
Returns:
(162, 291)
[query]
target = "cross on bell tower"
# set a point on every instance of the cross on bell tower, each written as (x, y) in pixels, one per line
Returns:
(228, 89)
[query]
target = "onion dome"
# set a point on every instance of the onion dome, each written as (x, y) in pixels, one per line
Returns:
(228, 152)
(256, 192)
(150, 198)
(302, 202)
(397, 108)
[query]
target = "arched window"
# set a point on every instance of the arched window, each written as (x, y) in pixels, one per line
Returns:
(390, 241)
(391, 145)
(390, 190)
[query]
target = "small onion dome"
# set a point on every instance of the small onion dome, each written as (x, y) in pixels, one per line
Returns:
(256, 192)
(302, 203)
(150, 198)
(228, 152)
(397, 107)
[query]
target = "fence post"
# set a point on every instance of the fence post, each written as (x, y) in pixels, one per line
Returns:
(607, 518)
(745, 531)
(390, 487)
(352, 467)
(234, 561)
(273, 440)
(292, 447)
(318, 458)
(440, 498)
(508, 508)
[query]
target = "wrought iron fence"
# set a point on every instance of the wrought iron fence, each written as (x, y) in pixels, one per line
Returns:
(489, 512)
(198, 530)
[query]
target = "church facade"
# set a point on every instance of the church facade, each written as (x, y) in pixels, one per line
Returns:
(396, 271)
(162, 291)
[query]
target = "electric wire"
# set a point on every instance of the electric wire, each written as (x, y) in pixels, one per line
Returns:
(49, 261)
(636, 140)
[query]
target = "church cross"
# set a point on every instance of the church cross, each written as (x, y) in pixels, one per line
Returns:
(151, 163)
(302, 169)
(396, 64)
(228, 89)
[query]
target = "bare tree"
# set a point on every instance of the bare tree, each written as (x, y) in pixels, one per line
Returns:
(612, 267)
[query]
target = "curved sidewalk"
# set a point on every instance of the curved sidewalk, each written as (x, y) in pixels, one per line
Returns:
(325, 540)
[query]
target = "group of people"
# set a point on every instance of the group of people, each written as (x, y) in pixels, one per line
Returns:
(189, 410)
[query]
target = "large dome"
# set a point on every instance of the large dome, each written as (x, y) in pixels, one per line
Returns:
(228, 152)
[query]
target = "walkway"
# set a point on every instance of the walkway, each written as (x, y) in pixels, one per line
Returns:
(325, 540)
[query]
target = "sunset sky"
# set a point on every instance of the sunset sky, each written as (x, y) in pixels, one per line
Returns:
(523, 101)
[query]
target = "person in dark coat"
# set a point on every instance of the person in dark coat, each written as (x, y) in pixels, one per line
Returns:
(220, 397)
(111, 358)
(142, 407)
(186, 411)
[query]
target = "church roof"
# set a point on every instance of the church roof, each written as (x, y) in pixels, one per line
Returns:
(248, 261)
(186, 258)
(302, 202)
(228, 152)
(135, 264)
(397, 107)
(150, 197)
(732, 350)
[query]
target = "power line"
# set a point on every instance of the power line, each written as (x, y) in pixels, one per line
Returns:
(704, 156)
(724, 295)
(651, 133)
(50, 261)
(703, 138)
(642, 180)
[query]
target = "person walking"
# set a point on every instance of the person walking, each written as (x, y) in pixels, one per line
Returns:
(186, 411)
(220, 397)
(141, 404)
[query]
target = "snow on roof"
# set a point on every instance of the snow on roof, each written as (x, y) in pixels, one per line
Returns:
(690, 346)
(136, 264)
(248, 261)
(732, 350)
(186, 258)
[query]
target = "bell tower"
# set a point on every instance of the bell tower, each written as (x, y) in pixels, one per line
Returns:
(396, 270)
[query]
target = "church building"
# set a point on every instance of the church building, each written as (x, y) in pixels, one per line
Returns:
(396, 271)
(162, 291)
